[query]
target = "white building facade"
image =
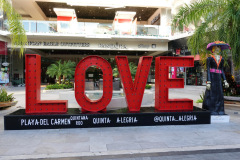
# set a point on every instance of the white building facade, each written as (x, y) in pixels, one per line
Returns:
(74, 29)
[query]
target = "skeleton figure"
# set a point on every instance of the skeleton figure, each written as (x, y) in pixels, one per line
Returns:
(213, 100)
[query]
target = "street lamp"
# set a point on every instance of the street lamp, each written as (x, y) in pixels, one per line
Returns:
(5, 64)
(185, 68)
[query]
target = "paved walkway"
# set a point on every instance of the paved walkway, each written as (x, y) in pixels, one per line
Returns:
(230, 98)
(117, 141)
(220, 154)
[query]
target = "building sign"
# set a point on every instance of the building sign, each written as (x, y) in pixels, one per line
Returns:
(155, 19)
(69, 44)
(143, 46)
(75, 44)
(146, 46)
(112, 46)
(98, 45)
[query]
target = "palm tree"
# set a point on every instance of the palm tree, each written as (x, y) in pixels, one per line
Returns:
(68, 69)
(15, 27)
(214, 20)
(61, 70)
(55, 70)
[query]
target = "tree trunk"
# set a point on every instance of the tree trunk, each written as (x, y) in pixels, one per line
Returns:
(64, 79)
(59, 79)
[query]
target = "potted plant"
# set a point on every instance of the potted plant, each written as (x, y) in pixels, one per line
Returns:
(6, 99)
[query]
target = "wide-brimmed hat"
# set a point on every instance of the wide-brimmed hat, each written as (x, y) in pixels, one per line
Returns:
(221, 44)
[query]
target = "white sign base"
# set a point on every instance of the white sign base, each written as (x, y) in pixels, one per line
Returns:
(220, 118)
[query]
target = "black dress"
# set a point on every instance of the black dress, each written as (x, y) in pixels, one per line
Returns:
(213, 99)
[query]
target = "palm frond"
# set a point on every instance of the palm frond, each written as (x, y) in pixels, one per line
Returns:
(17, 33)
(221, 22)
(194, 12)
(59, 69)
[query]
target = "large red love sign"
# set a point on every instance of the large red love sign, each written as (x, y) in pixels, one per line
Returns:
(133, 90)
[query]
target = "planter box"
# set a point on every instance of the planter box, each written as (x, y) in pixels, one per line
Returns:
(56, 90)
(199, 105)
(6, 104)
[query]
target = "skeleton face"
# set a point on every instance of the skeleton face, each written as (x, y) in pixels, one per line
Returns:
(217, 50)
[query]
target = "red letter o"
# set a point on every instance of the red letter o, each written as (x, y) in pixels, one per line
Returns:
(86, 103)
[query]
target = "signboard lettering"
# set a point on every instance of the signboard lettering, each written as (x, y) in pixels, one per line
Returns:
(155, 19)
(143, 46)
(66, 44)
(113, 46)
(99, 120)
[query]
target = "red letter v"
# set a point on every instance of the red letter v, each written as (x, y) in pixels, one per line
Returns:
(134, 92)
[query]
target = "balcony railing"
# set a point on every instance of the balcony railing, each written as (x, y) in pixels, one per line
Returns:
(90, 29)
(105, 30)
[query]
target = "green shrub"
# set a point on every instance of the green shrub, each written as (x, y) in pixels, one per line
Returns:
(199, 101)
(59, 86)
(201, 98)
(148, 86)
(4, 97)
